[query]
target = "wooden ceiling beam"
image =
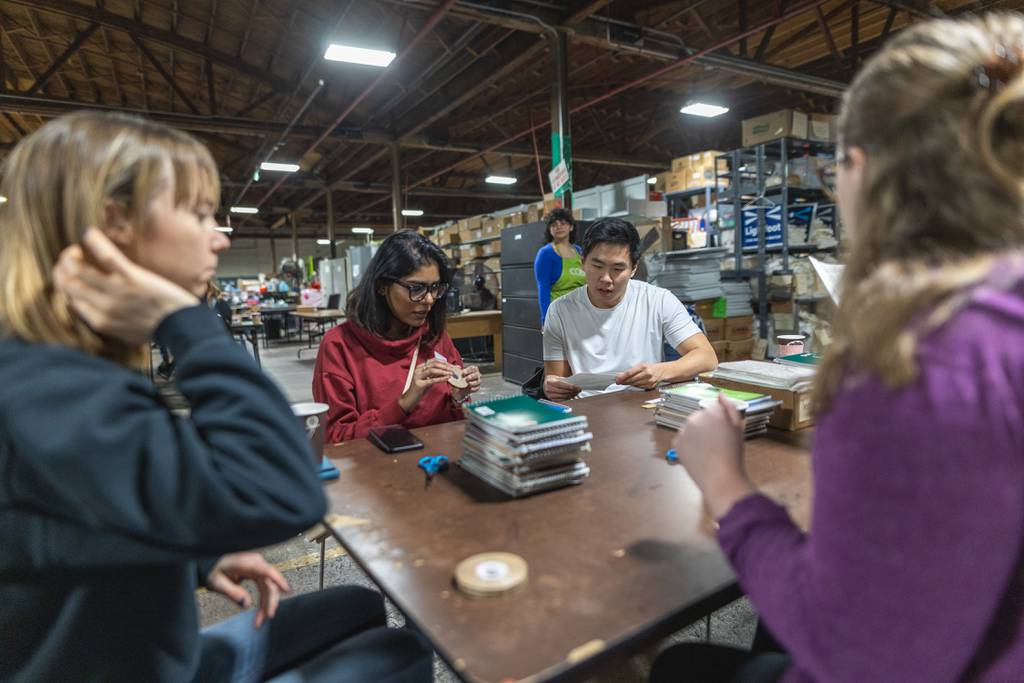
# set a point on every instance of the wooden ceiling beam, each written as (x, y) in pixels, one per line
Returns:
(55, 62)
(166, 76)
(138, 29)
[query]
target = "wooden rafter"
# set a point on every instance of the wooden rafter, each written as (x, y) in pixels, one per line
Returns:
(84, 66)
(165, 75)
(805, 30)
(823, 25)
(55, 62)
(136, 27)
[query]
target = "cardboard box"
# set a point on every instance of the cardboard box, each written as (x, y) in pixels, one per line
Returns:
(796, 411)
(673, 237)
(705, 309)
(494, 263)
(550, 202)
(739, 327)
(681, 164)
(784, 321)
(721, 349)
(700, 178)
(740, 349)
(517, 218)
(676, 182)
(714, 328)
(788, 123)
(489, 248)
(475, 222)
(821, 127)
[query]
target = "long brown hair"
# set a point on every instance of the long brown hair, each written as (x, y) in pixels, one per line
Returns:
(939, 114)
(58, 182)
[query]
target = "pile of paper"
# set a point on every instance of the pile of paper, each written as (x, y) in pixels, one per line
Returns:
(737, 298)
(521, 446)
(765, 374)
(683, 400)
(692, 275)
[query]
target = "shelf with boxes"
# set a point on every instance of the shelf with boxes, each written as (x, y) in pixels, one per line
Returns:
(763, 179)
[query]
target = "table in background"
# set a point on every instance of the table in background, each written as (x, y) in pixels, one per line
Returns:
(478, 324)
(320, 318)
(251, 332)
(625, 558)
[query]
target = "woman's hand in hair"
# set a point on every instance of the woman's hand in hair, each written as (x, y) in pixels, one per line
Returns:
(710, 447)
(115, 297)
(472, 376)
(423, 377)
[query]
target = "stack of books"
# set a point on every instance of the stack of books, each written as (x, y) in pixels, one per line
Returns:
(683, 400)
(792, 377)
(737, 298)
(692, 275)
(521, 446)
(800, 360)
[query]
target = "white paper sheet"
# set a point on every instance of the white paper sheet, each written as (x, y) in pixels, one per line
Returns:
(830, 274)
(593, 381)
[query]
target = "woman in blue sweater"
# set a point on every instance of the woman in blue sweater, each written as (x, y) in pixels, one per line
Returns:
(558, 267)
(112, 509)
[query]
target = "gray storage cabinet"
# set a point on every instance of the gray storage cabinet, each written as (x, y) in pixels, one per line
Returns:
(522, 349)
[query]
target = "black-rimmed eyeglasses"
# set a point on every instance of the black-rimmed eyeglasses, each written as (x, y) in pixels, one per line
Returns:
(418, 290)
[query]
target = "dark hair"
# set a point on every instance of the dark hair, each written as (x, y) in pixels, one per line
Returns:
(613, 231)
(397, 256)
(560, 215)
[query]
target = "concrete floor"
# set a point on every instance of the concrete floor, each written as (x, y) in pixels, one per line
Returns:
(299, 560)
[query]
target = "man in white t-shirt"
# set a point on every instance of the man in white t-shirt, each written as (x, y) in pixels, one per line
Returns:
(619, 325)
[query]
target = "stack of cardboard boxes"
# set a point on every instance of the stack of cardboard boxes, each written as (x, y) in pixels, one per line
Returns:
(731, 336)
(690, 172)
(789, 123)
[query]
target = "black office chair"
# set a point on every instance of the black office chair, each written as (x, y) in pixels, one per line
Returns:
(333, 300)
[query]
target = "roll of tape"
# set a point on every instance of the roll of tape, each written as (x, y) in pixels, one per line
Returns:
(490, 574)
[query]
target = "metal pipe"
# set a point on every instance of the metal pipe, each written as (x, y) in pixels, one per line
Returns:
(561, 150)
(813, 4)
(420, 35)
(284, 134)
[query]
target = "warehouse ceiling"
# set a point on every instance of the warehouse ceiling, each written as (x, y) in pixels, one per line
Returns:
(468, 95)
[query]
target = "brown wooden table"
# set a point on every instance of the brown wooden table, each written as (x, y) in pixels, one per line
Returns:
(615, 563)
(478, 324)
(320, 317)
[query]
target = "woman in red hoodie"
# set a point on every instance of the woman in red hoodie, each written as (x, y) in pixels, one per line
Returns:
(390, 362)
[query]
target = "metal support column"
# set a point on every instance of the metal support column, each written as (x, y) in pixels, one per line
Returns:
(561, 136)
(273, 255)
(295, 237)
(396, 188)
(330, 224)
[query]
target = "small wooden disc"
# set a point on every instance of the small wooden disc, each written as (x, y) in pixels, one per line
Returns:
(490, 574)
(458, 382)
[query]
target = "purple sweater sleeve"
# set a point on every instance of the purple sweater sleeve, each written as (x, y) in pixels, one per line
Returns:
(916, 532)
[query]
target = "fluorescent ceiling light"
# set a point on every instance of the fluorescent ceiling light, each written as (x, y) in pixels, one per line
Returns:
(363, 231)
(703, 109)
(500, 180)
(244, 209)
(412, 212)
(324, 242)
(273, 166)
(225, 228)
(358, 55)
(652, 181)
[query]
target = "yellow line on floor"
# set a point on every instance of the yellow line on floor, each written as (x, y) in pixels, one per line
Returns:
(309, 559)
(301, 561)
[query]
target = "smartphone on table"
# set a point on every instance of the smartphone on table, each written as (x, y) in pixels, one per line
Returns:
(394, 439)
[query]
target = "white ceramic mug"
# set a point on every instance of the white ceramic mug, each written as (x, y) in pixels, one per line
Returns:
(313, 418)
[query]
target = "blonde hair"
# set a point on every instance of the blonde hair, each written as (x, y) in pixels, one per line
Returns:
(942, 197)
(59, 181)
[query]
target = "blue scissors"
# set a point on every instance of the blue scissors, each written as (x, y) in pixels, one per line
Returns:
(431, 465)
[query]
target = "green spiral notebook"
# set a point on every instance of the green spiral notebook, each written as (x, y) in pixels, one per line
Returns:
(520, 415)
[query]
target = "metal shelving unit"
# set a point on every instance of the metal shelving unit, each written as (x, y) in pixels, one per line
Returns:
(747, 171)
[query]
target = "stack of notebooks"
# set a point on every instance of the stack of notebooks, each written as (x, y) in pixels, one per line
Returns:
(799, 360)
(737, 298)
(683, 400)
(764, 374)
(694, 274)
(521, 446)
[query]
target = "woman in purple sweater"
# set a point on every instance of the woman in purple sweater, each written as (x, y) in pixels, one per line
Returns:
(913, 568)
